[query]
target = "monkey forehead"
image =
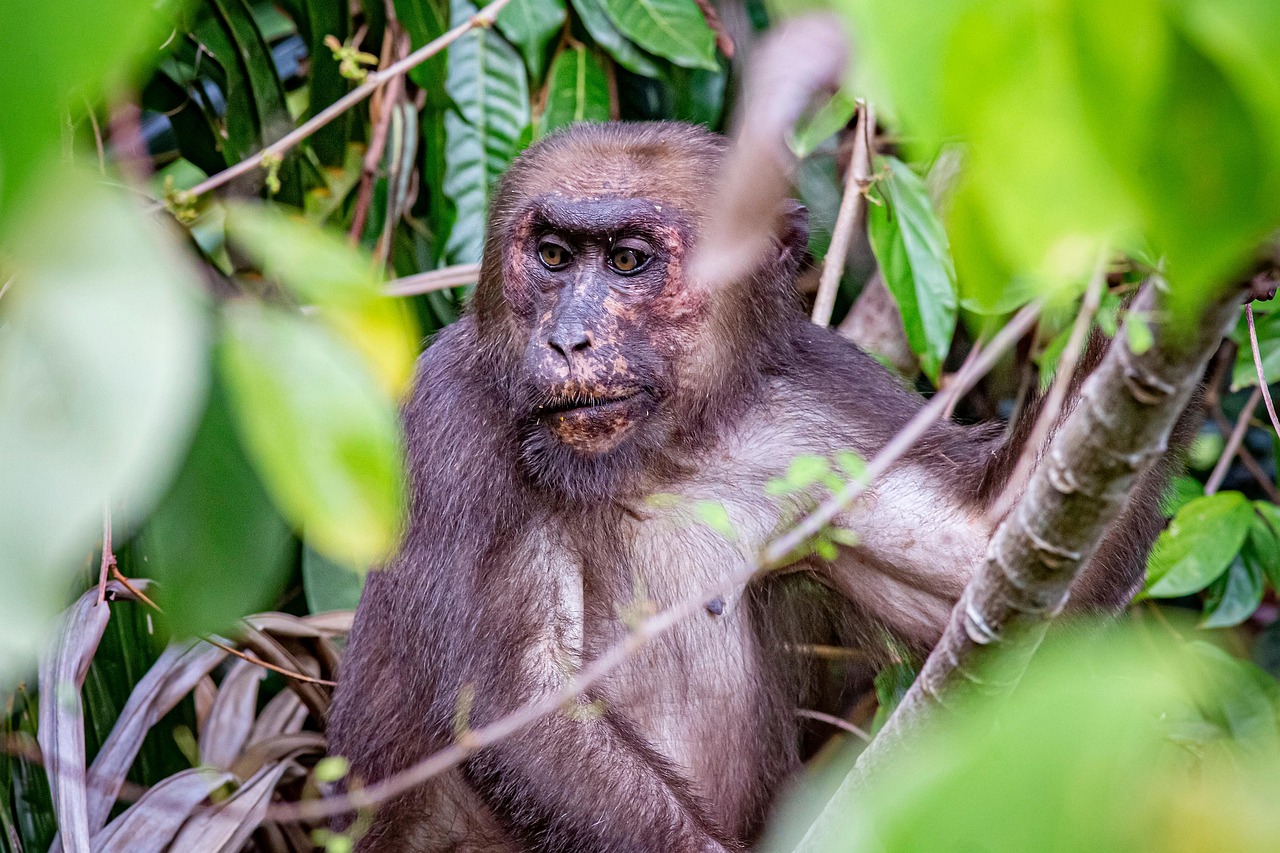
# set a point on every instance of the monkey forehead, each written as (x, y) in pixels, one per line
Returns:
(670, 163)
(608, 215)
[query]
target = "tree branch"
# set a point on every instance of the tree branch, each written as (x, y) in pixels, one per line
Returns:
(851, 216)
(1122, 423)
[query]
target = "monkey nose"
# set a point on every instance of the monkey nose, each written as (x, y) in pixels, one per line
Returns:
(569, 339)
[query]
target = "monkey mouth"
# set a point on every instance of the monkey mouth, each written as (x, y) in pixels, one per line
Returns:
(579, 404)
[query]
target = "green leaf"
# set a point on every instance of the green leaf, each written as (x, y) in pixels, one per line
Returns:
(914, 256)
(487, 83)
(531, 25)
(1199, 544)
(1244, 374)
(425, 21)
(1234, 596)
(673, 29)
(1137, 334)
(829, 120)
(577, 90)
(326, 18)
(601, 28)
(1262, 548)
(215, 544)
(714, 515)
(323, 437)
(697, 94)
(103, 353)
(1181, 491)
(805, 470)
(329, 585)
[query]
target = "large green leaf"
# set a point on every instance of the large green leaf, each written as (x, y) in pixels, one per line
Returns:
(324, 438)
(673, 29)
(911, 246)
(531, 25)
(57, 54)
(425, 21)
(102, 362)
(1234, 596)
(326, 18)
(1199, 544)
(577, 90)
(216, 544)
(487, 83)
(601, 28)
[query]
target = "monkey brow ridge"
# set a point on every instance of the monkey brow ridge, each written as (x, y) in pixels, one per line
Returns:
(600, 215)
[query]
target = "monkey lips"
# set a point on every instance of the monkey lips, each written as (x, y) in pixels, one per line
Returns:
(595, 423)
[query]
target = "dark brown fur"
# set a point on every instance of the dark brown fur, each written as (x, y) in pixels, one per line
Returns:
(533, 533)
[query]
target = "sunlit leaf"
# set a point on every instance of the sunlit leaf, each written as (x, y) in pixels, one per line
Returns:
(102, 363)
(915, 259)
(673, 29)
(577, 90)
(324, 439)
(1199, 544)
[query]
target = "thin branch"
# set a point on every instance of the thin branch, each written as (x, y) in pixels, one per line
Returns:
(484, 18)
(832, 720)
(1251, 464)
(853, 212)
(288, 673)
(662, 621)
(426, 282)
(1058, 392)
(1233, 443)
(1257, 365)
(108, 556)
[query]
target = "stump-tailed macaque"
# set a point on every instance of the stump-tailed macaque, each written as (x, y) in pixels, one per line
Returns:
(560, 437)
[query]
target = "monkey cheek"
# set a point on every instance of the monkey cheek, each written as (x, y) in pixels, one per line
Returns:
(596, 430)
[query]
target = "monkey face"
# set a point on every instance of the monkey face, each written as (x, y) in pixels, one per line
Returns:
(589, 277)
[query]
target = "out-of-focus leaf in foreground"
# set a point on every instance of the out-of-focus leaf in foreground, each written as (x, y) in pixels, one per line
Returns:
(325, 439)
(103, 342)
(1108, 745)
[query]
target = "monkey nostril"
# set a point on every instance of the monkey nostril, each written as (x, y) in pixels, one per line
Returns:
(566, 341)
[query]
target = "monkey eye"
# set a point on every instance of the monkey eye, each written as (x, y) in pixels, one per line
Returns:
(553, 255)
(626, 260)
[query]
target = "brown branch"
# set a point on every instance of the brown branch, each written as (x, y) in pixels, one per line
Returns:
(380, 113)
(289, 673)
(484, 18)
(662, 621)
(1122, 423)
(851, 216)
(723, 41)
(1232, 446)
(426, 282)
(1257, 365)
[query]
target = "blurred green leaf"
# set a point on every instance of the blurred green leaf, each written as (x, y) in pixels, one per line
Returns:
(57, 54)
(329, 585)
(1234, 595)
(697, 94)
(577, 90)
(1199, 544)
(321, 269)
(911, 246)
(830, 119)
(673, 29)
(323, 437)
(102, 361)
(216, 545)
(1181, 491)
(487, 83)
(1262, 548)
(531, 25)
(714, 515)
(601, 28)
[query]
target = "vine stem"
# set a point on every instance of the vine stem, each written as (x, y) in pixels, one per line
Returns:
(1257, 365)
(483, 19)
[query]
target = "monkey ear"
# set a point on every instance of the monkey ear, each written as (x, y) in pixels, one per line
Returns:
(794, 230)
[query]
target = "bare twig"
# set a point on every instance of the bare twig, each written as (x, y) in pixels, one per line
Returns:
(852, 214)
(974, 352)
(832, 720)
(288, 673)
(659, 623)
(1257, 365)
(108, 556)
(1058, 391)
(723, 41)
(1233, 443)
(426, 282)
(484, 18)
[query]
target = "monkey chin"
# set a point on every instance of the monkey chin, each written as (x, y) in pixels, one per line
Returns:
(595, 429)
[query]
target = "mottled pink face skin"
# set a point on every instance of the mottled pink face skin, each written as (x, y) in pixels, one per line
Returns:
(584, 276)
(599, 283)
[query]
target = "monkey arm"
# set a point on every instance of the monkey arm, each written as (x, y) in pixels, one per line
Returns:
(585, 780)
